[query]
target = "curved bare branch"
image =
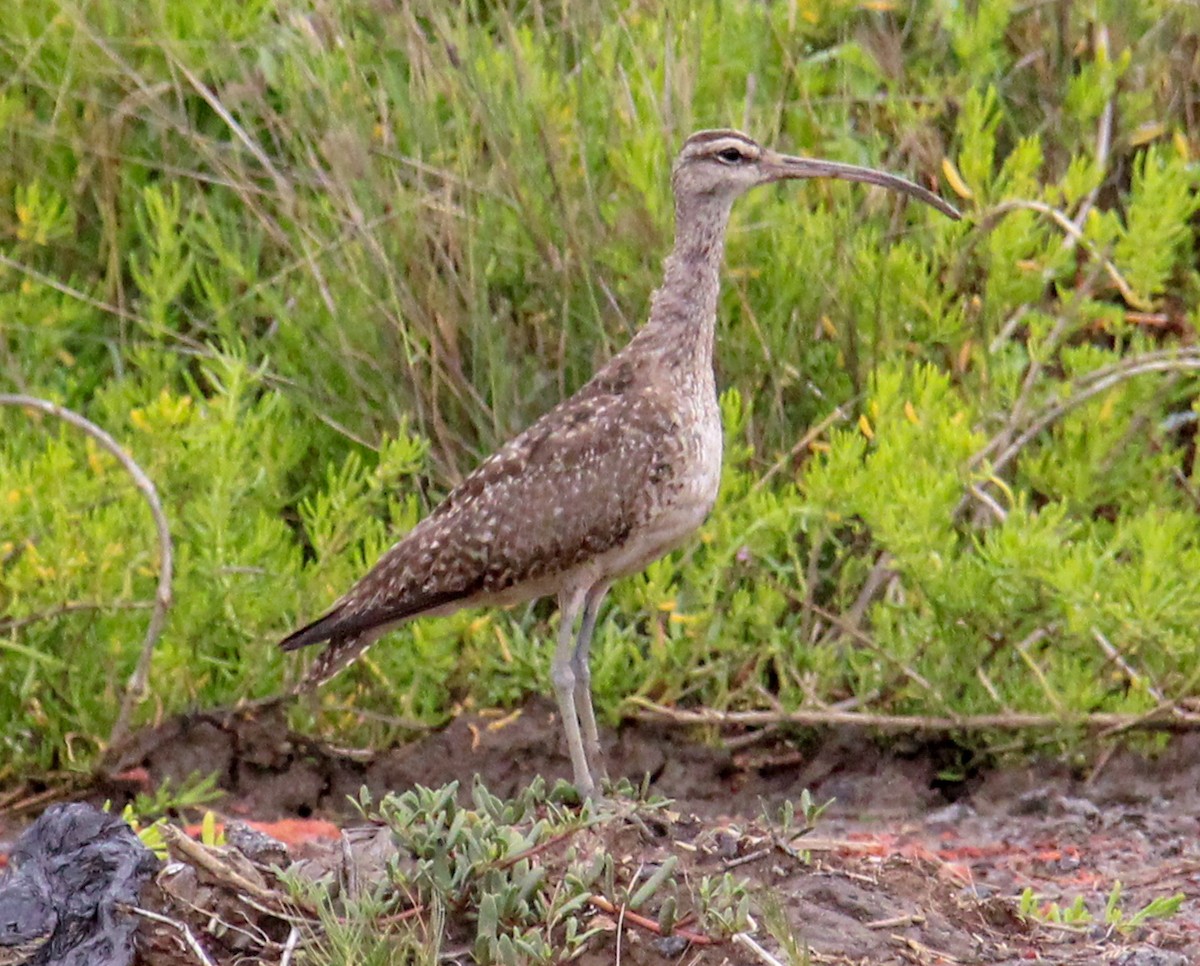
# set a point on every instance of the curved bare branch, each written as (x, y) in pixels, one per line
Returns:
(136, 688)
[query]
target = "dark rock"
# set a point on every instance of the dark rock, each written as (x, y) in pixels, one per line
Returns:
(1081, 807)
(950, 814)
(61, 902)
(27, 920)
(670, 947)
(1036, 801)
(256, 845)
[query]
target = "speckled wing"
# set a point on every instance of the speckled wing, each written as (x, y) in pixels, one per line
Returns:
(570, 487)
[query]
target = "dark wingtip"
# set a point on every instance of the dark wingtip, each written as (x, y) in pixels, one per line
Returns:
(322, 629)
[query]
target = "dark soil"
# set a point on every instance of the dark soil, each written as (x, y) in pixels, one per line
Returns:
(904, 867)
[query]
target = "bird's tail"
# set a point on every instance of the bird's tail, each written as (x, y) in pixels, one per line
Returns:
(340, 654)
(346, 645)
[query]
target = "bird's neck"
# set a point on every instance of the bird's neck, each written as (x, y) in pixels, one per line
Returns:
(683, 310)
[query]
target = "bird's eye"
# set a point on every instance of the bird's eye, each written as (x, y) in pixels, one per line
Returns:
(730, 155)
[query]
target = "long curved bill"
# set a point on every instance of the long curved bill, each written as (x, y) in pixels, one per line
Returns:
(782, 166)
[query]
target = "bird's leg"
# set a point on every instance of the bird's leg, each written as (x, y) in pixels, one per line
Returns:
(563, 675)
(583, 680)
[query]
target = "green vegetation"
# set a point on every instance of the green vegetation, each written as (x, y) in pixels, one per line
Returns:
(1115, 917)
(517, 880)
(309, 263)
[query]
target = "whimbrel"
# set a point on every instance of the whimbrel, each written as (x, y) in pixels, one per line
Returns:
(606, 482)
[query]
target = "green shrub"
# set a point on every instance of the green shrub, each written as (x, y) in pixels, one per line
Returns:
(310, 264)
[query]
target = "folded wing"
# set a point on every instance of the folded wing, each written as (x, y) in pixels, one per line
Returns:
(572, 486)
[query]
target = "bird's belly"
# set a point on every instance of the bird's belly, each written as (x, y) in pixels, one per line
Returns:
(657, 539)
(681, 508)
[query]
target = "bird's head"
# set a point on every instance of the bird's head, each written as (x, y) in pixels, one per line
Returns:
(724, 164)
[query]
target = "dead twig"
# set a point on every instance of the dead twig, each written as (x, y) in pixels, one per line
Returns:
(1135, 677)
(1019, 412)
(1149, 721)
(20, 801)
(876, 580)
(911, 919)
(135, 690)
(553, 842)
(695, 938)
(192, 942)
(987, 500)
(927, 953)
(1005, 448)
(16, 623)
(205, 859)
(391, 720)
(816, 431)
(1036, 636)
(289, 947)
(747, 942)
(748, 858)
(805, 843)
(738, 742)
(412, 912)
(1094, 384)
(1103, 143)
(282, 185)
(1169, 718)
(1073, 231)
(63, 289)
(868, 642)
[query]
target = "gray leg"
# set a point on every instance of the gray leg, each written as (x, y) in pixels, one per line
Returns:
(583, 679)
(563, 675)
